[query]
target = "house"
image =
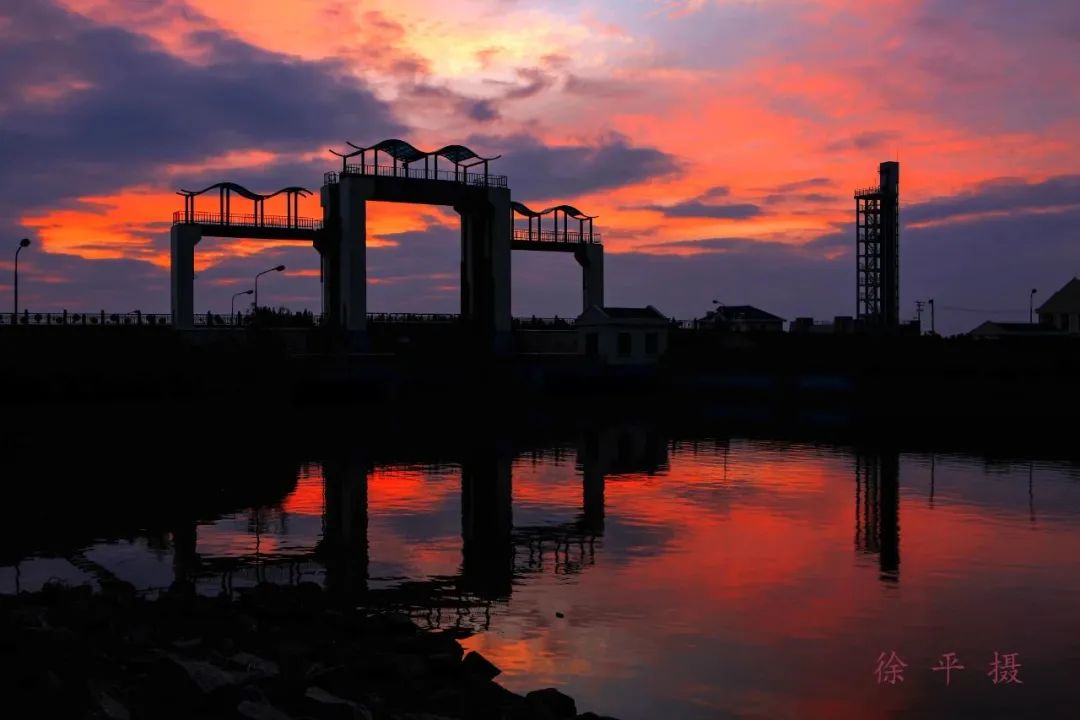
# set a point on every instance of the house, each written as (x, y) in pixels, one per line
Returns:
(994, 330)
(622, 335)
(1062, 310)
(741, 318)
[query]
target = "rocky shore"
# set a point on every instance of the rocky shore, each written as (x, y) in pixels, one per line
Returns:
(274, 653)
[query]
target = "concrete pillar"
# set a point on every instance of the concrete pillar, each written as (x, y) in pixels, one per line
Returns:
(486, 232)
(354, 192)
(344, 546)
(487, 522)
(182, 242)
(502, 231)
(591, 259)
(328, 243)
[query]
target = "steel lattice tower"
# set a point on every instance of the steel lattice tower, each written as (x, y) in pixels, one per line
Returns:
(877, 249)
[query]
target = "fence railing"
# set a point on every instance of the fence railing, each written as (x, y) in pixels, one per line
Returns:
(180, 217)
(210, 319)
(459, 176)
(873, 190)
(543, 323)
(556, 236)
(86, 318)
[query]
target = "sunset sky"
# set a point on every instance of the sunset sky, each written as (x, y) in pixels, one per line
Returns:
(719, 141)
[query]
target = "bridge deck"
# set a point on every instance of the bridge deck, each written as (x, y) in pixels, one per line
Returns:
(552, 240)
(251, 227)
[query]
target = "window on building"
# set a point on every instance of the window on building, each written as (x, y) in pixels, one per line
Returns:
(592, 344)
(625, 345)
(1064, 324)
(652, 343)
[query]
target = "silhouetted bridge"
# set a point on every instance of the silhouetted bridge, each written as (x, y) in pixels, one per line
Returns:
(393, 171)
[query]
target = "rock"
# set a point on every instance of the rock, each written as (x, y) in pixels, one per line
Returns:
(112, 708)
(257, 666)
(260, 711)
(488, 699)
(477, 665)
(350, 709)
(206, 677)
(187, 644)
(552, 703)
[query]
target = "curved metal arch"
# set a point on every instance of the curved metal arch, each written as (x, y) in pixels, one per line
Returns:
(407, 153)
(572, 212)
(229, 186)
(291, 190)
(569, 210)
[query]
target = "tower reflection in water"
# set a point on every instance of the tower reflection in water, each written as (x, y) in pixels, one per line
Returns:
(877, 508)
(494, 551)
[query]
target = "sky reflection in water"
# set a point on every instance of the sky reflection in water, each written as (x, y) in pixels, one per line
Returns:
(699, 580)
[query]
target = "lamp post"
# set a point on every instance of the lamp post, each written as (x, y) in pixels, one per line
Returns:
(933, 330)
(1031, 305)
(232, 303)
(279, 268)
(25, 242)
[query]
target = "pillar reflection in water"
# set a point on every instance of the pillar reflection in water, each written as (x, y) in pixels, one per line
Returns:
(487, 522)
(185, 555)
(877, 508)
(344, 545)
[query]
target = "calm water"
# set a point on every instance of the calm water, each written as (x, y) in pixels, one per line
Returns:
(716, 578)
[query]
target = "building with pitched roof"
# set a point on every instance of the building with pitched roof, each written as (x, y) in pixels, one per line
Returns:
(1062, 310)
(623, 335)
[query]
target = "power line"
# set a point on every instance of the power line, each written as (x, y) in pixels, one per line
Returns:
(1012, 311)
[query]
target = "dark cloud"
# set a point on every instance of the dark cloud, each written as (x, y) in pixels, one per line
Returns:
(812, 198)
(1001, 195)
(139, 107)
(717, 191)
(694, 208)
(598, 87)
(538, 172)
(864, 141)
(532, 81)
(814, 182)
(476, 109)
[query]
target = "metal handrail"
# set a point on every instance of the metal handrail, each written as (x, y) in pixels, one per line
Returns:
(459, 176)
(100, 318)
(211, 319)
(284, 222)
(556, 236)
(873, 190)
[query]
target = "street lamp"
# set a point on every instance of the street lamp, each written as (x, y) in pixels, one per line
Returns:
(232, 303)
(279, 268)
(1031, 305)
(25, 242)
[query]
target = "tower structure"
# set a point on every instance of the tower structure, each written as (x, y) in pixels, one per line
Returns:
(877, 249)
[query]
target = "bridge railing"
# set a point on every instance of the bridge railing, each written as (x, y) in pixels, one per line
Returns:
(210, 319)
(284, 222)
(543, 323)
(85, 318)
(556, 236)
(459, 176)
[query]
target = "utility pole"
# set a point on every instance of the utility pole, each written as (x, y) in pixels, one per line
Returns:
(918, 313)
(933, 330)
